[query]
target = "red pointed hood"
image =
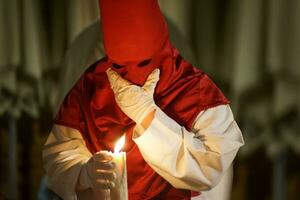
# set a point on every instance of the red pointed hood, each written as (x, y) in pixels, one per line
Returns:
(133, 30)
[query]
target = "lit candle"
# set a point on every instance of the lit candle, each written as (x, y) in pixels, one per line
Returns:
(119, 192)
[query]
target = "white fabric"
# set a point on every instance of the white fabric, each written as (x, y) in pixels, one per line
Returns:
(63, 155)
(186, 161)
(221, 191)
(192, 160)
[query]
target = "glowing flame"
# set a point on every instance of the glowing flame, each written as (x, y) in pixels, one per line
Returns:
(120, 143)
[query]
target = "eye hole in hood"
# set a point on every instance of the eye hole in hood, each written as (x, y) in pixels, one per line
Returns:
(144, 63)
(116, 66)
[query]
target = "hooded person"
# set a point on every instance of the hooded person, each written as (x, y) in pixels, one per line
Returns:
(181, 136)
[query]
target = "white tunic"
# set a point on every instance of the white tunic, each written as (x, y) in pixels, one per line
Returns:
(196, 160)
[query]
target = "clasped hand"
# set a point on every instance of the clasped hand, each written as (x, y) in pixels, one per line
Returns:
(135, 101)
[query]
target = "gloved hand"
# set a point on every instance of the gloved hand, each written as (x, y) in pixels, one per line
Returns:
(98, 172)
(135, 101)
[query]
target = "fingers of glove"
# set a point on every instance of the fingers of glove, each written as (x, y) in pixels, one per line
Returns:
(151, 82)
(105, 175)
(104, 184)
(129, 96)
(105, 165)
(103, 156)
(103, 160)
(115, 80)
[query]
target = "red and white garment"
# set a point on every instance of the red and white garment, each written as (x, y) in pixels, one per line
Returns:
(192, 139)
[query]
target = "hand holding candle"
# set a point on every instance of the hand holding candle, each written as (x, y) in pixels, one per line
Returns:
(98, 172)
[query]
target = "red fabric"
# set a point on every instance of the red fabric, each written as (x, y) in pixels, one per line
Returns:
(134, 30)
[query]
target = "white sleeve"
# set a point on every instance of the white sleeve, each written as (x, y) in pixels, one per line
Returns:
(193, 160)
(63, 154)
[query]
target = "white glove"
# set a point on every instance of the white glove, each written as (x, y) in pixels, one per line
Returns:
(98, 172)
(135, 101)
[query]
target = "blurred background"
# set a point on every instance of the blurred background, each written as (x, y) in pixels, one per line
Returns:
(250, 48)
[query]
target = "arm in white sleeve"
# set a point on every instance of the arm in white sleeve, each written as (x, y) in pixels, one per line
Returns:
(63, 155)
(193, 160)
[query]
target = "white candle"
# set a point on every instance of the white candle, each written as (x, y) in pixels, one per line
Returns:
(119, 192)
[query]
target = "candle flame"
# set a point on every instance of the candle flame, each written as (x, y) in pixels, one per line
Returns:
(119, 145)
